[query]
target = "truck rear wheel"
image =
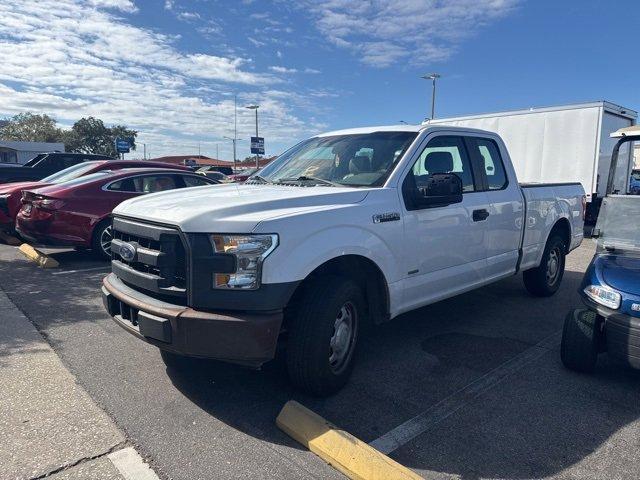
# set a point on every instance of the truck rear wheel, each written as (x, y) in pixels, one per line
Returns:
(323, 335)
(545, 279)
(580, 340)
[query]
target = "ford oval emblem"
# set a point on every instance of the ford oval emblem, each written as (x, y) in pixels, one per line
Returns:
(127, 251)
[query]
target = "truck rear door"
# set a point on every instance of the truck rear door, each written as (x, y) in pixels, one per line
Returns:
(445, 247)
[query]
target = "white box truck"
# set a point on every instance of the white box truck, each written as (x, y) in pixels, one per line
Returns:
(561, 144)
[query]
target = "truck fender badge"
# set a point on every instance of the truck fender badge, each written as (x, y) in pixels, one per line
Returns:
(635, 307)
(386, 217)
(127, 251)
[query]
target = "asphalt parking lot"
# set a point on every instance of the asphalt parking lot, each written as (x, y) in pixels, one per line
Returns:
(471, 387)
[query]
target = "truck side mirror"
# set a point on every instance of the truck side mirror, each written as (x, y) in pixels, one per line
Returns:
(441, 189)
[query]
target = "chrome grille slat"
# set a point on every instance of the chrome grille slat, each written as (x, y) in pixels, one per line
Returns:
(159, 265)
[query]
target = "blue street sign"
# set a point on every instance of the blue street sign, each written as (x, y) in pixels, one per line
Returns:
(257, 145)
(123, 145)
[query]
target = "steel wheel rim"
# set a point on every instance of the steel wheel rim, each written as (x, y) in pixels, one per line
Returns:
(105, 240)
(553, 266)
(343, 337)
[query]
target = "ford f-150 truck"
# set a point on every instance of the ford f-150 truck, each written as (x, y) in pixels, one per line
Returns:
(344, 228)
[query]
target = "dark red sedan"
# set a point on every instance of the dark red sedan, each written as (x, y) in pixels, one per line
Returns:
(11, 193)
(77, 213)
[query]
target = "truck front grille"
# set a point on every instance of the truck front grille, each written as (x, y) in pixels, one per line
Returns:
(150, 257)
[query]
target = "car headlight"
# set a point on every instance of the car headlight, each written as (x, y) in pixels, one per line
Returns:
(603, 295)
(250, 251)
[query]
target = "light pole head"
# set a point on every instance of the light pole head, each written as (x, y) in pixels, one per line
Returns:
(431, 76)
(252, 107)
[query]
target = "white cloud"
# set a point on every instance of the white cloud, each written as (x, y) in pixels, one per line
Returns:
(122, 5)
(71, 59)
(278, 69)
(188, 16)
(386, 32)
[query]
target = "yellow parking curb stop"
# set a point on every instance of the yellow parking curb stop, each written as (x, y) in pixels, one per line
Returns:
(37, 256)
(343, 451)
(9, 239)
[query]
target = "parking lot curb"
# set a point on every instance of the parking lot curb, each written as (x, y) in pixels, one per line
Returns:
(343, 451)
(37, 256)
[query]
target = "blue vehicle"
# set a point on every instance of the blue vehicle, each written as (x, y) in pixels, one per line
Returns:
(610, 291)
(610, 288)
(634, 183)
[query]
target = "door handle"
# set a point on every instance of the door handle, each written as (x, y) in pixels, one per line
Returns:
(480, 215)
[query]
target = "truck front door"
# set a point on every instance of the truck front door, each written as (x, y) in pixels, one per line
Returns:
(445, 247)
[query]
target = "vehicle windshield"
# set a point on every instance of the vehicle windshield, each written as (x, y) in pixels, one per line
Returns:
(358, 160)
(35, 160)
(618, 230)
(70, 173)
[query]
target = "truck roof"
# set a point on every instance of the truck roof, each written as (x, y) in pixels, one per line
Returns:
(399, 128)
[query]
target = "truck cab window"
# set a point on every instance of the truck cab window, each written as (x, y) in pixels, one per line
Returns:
(493, 167)
(444, 154)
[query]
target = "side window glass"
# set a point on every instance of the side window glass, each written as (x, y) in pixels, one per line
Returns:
(193, 181)
(493, 166)
(444, 155)
(124, 185)
(155, 183)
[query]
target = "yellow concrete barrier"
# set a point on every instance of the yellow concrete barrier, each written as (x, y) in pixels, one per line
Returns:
(37, 256)
(343, 451)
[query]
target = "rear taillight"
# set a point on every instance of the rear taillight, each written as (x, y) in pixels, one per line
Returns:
(48, 203)
(584, 207)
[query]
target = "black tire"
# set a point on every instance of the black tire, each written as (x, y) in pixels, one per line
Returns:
(545, 279)
(323, 335)
(581, 339)
(100, 232)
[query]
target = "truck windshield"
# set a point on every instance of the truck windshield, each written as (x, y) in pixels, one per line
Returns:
(70, 173)
(359, 160)
(618, 230)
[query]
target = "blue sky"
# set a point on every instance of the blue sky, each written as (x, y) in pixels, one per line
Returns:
(171, 68)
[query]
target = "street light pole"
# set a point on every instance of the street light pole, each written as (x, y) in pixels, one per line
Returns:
(255, 107)
(432, 77)
(235, 129)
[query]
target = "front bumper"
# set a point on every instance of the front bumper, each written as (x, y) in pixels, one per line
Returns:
(244, 338)
(622, 333)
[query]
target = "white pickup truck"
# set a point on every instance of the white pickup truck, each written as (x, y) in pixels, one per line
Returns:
(344, 228)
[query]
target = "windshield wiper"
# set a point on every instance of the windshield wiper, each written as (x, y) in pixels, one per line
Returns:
(306, 178)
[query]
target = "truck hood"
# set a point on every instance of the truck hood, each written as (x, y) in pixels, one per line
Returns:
(233, 208)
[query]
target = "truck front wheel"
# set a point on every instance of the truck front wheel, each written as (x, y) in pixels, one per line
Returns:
(323, 335)
(545, 279)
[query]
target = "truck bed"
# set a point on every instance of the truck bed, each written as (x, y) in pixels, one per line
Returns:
(545, 204)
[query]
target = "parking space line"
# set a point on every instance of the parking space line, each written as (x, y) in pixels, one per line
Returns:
(419, 424)
(131, 465)
(81, 270)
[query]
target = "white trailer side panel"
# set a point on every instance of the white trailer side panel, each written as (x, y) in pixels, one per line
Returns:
(560, 144)
(547, 146)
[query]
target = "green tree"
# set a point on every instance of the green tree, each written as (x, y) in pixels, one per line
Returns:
(29, 127)
(91, 135)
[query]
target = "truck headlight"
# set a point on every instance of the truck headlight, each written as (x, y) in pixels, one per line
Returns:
(603, 295)
(250, 251)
